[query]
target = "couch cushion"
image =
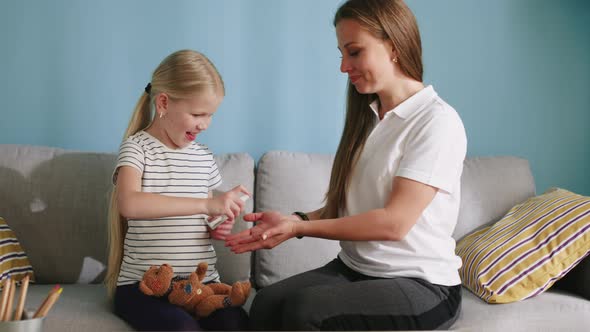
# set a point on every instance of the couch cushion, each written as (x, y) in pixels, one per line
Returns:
(79, 308)
(86, 308)
(235, 168)
(550, 311)
(56, 201)
(490, 186)
(524, 253)
(287, 182)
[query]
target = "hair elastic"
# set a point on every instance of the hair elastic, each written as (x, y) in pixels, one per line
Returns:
(148, 88)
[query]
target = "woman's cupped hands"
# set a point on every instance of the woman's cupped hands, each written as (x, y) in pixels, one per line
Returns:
(271, 229)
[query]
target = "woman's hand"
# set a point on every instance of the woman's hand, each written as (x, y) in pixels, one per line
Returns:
(228, 203)
(271, 229)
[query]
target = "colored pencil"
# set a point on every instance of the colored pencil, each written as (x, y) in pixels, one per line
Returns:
(8, 310)
(21, 299)
(53, 290)
(4, 299)
(50, 302)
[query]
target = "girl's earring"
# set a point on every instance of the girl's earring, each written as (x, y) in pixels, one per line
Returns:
(394, 60)
(161, 115)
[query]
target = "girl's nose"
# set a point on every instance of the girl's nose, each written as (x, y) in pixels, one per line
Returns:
(203, 125)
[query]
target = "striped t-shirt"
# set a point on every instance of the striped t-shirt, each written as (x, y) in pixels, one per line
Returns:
(182, 241)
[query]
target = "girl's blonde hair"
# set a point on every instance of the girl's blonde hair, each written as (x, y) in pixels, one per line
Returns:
(182, 74)
(388, 20)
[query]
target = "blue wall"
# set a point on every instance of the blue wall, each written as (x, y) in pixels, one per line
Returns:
(518, 72)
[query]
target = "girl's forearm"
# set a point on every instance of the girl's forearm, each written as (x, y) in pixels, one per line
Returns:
(139, 205)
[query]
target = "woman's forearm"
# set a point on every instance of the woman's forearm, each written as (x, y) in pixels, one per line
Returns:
(374, 225)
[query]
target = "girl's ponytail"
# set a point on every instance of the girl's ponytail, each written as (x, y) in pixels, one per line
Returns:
(117, 229)
(142, 116)
(140, 120)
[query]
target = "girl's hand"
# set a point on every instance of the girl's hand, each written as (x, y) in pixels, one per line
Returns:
(228, 203)
(271, 229)
(222, 231)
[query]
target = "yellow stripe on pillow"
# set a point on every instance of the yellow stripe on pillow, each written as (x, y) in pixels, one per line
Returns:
(13, 259)
(532, 246)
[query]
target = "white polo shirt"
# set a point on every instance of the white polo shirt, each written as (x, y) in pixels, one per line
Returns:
(422, 139)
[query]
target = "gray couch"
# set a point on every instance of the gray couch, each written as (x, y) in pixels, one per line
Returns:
(55, 200)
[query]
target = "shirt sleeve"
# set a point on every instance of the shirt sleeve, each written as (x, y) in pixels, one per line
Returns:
(130, 154)
(435, 152)
(214, 175)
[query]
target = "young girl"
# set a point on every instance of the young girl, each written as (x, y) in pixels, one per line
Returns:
(163, 184)
(393, 198)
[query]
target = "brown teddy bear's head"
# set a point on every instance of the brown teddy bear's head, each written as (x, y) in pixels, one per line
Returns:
(156, 281)
(190, 292)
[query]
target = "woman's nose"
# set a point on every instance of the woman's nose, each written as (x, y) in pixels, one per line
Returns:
(344, 65)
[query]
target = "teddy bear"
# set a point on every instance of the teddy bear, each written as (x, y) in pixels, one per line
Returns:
(196, 298)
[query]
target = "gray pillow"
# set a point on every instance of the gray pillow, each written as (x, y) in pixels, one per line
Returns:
(287, 182)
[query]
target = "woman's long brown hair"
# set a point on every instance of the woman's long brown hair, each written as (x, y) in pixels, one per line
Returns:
(389, 20)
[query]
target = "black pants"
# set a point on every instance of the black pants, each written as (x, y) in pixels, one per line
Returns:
(334, 297)
(148, 313)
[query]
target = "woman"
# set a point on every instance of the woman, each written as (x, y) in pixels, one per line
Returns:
(393, 198)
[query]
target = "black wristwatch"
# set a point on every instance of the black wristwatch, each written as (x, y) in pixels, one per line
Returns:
(301, 216)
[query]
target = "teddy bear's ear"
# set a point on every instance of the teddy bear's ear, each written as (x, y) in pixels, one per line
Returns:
(145, 289)
(202, 270)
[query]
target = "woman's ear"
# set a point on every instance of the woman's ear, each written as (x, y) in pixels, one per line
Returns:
(393, 54)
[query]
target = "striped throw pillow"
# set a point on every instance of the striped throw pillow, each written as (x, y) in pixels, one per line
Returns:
(13, 259)
(532, 246)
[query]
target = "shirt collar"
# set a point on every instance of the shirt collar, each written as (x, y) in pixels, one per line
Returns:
(409, 106)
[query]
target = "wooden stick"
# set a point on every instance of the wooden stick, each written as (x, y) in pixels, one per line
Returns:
(21, 299)
(53, 290)
(51, 301)
(8, 310)
(5, 292)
